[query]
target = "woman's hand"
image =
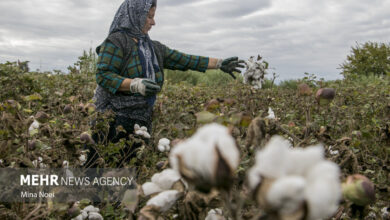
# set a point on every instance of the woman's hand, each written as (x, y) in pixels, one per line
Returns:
(230, 65)
(145, 87)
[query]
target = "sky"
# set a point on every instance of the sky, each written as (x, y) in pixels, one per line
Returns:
(294, 37)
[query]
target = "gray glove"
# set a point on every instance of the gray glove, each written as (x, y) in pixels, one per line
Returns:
(145, 87)
(230, 64)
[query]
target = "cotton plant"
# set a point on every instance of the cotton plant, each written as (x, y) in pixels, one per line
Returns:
(284, 179)
(255, 72)
(166, 180)
(208, 159)
(141, 131)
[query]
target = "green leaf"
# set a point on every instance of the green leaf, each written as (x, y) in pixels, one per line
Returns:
(205, 117)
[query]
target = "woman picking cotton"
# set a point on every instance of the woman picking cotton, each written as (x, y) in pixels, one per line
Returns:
(130, 70)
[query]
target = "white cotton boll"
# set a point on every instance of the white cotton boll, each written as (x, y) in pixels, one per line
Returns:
(40, 159)
(254, 178)
(91, 208)
(163, 145)
(146, 135)
(196, 156)
(161, 148)
(271, 161)
(322, 198)
(271, 114)
(164, 142)
(84, 214)
(79, 217)
(199, 154)
(164, 200)
(35, 163)
(150, 188)
(136, 127)
(214, 214)
(65, 164)
(166, 178)
(287, 194)
(323, 191)
(139, 132)
(324, 170)
(35, 125)
(82, 159)
(95, 216)
(143, 128)
(300, 160)
(217, 135)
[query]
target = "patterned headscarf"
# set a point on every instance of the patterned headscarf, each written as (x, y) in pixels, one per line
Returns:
(130, 18)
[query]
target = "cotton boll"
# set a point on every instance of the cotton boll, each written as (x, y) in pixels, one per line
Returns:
(91, 208)
(253, 177)
(95, 216)
(208, 158)
(143, 128)
(324, 170)
(136, 127)
(150, 188)
(161, 148)
(271, 161)
(215, 214)
(271, 114)
(82, 159)
(166, 178)
(323, 199)
(146, 135)
(287, 194)
(33, 129)
(164, 200)
(192, 158)
(323, 191)
(163, 145)
(35, 163)
(65, 164)
(300, 160)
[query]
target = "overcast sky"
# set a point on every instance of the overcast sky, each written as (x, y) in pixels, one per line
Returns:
(293, 36)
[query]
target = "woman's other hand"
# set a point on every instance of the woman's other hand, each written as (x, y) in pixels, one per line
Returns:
(145, 87)
(230, 65)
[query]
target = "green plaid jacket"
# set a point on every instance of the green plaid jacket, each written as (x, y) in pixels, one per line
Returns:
(111, 57)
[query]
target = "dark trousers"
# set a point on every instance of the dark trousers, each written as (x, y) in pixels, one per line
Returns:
(113, 136)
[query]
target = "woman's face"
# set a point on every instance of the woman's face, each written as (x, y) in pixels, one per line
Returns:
(149, 20)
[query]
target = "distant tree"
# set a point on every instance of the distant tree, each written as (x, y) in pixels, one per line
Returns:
(23, 66)
(370, 58)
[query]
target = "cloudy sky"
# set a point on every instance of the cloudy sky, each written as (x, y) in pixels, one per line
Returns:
(293, 36)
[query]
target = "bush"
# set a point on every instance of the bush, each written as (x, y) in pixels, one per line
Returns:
(368, 59)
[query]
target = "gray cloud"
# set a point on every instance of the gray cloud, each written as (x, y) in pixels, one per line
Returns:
(294, 37)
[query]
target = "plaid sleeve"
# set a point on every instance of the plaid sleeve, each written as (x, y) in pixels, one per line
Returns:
(108, 67)
(176, 60)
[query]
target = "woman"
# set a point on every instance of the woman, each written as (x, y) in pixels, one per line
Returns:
(130, 68)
